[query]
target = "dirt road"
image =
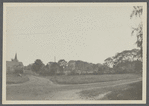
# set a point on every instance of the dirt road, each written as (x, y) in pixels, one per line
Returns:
(39, 88)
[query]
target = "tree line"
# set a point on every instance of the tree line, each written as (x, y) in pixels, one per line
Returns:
(128, 61)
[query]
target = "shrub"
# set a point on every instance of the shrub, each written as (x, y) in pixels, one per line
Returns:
(18, 69)
(44, 71)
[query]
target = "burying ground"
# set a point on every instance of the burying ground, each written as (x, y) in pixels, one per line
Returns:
(39, 88)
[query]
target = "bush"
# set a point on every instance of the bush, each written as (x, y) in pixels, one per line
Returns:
(18, 69)
(44, 71)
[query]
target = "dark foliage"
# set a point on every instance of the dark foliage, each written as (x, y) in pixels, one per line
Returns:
(138, 10)
(18, 69)
(37, 65)
(52, 68)
(124, 56)
(128, 67)
(62, 64)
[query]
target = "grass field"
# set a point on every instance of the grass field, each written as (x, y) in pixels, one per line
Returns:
(41, 88)
(84, 79)
(15, 79)
(121, 92)
(131, 92)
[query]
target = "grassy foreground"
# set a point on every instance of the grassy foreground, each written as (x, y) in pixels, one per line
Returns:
(15, 79)
(84, 79)
(121, 92)
(40, 88)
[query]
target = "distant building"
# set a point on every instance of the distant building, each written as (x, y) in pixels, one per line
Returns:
(13, 64)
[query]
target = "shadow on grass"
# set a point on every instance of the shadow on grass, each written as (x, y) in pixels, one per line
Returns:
(131, 92)
(120, 92)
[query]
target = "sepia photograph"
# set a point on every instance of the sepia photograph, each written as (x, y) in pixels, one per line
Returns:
(74, 53)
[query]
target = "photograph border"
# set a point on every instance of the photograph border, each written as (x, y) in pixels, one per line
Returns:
(143, 101)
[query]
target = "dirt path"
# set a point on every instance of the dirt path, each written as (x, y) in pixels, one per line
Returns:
(39, 88)
(74, 93)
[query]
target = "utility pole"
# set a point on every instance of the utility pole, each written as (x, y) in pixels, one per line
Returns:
(54, 59)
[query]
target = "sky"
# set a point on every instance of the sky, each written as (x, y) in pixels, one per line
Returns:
(87, 33)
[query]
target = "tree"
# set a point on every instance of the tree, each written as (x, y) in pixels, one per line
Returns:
(109, 62)
(62, 63)
(55, 68)
(28, 67)
(129, 55)
(138, 10)
(37, 65)
(124, 56)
